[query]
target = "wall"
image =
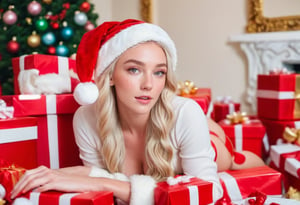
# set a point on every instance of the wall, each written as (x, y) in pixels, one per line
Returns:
(200, 29)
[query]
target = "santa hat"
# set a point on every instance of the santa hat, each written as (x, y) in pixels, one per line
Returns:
(101, 46)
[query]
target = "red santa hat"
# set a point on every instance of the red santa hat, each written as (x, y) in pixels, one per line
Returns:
(101, 46)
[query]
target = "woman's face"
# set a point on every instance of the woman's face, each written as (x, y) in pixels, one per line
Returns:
(139, 77)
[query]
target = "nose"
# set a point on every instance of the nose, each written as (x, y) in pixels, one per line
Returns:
(147, 82)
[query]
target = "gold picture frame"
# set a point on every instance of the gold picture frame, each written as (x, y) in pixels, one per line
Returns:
(257, 22)
(146, 10)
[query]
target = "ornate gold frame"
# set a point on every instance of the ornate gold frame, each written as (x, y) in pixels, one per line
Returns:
(258, 23)
(146, 10)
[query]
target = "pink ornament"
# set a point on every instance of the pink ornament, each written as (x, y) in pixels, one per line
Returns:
(34, 8)
(10, 17)
(89, 26)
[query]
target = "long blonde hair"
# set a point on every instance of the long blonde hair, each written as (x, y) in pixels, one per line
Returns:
(158, 149)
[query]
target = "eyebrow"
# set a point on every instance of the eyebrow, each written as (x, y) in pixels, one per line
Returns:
(141, 63)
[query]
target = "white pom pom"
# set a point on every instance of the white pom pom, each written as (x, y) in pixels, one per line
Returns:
(2, 191)
(86, 93)
(22, 201)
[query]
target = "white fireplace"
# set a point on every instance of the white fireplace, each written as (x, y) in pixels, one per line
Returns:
(265, 52)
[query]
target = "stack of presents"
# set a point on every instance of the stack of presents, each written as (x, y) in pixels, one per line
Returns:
(36, 129)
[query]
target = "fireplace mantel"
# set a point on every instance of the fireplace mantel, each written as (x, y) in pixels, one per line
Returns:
(265, 52)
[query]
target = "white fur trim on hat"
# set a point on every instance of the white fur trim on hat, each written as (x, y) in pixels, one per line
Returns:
(130, 37)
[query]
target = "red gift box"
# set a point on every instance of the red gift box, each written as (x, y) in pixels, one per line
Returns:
(239, 184)
(222, 108)
(18, 141)
(276, 96)
(285, 158)
(9, 176)
(202, 96)
(275, 129)
(55, 127)
(59, 198)
(44, 63)
(250, 136)
(196, 191)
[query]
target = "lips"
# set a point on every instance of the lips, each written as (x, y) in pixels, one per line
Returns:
(144, 98)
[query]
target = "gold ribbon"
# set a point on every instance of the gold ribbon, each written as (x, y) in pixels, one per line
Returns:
(237, 117)
(291, 135)
(186, 88)
(2, 201)
(297, 97)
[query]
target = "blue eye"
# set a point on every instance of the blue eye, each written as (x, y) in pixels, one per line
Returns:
(133, 70)
(160, 73)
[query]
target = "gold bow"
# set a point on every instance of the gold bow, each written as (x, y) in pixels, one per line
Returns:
(237, 117)
(186, 88)
(293, 193)
(291, 135)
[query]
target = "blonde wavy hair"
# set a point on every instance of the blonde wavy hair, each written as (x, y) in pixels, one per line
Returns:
(158, 149)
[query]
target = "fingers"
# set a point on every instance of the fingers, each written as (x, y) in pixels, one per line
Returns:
(30, 180)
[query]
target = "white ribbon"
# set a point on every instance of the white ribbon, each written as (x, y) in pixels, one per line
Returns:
(291, 165)
(52, 131)
(272, 94)
(193, 194)
(18, 134)
(238, 133)
(178, 180)
(231, 185)
(277, 150)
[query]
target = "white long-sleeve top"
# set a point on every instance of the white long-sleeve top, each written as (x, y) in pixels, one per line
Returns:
(193, 154)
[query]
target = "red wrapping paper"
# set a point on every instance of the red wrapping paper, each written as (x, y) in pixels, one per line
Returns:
(179, 194)
(19, 134)
(276, 97)
(275, 129)
(44, 63)
(250, 136)
(239, 184)
(59, 198)
(286, 159)
(55, 129)
(221, 110)
(202, 97)
(9, 176)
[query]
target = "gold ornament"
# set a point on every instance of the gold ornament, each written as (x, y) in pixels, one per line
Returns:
(186, 88)
(47, 1)
(28, 21)
(237, 117)
(34, 40)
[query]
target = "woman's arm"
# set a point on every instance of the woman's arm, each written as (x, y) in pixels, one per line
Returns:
(71, 179)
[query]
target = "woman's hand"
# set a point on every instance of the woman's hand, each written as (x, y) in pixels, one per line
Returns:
(72, 179)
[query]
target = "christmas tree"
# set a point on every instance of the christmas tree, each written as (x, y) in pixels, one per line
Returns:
(52, 27)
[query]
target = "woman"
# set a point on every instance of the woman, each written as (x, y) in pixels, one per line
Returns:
(138, 132)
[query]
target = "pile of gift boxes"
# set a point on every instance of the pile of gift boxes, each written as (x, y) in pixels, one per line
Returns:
(39, 127)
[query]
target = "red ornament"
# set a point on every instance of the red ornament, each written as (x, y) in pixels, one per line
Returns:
(51, 50)
(85, 7)
(54, 25)
(13, 46)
